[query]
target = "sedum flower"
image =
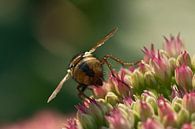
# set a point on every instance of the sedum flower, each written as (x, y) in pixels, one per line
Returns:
(151, 124)
(166, 113)
(173, 45)
(149, 54)
(183, 77)
(184, 58)
(193, 82)
(162, 68)
(101, 91)
(118, 120)
(157, 93)
(146, 110)
(71, 124)
(193, 62)
(91, 114)
(188, 126)
(189, 102)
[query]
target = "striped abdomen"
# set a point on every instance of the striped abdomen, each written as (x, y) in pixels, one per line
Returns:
(88, 71)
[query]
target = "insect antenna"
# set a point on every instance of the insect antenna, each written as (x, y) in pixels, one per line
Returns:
(104, 39)
(59, 87)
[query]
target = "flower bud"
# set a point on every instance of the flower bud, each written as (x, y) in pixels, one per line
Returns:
(193, 82)
(97, 112)
(150, 98)
(166, 113)
(120, 84)
(183, 116)
(150, 80)
(177, 104)
(192, 118)
(144, 67)
(183, 77)
(119, 120)
(176, 92)
(172, 62)
(128, 101)
(137, 81)
(184, 58)
(174, 46)
(189, 102)
(101, 91)
(151, 124)
(187, 126)
(71, 124)
(89, 112)
(149, 54)
(111, 98)
(87, 121)
(162, 68)
(146, 110)
(193, 62)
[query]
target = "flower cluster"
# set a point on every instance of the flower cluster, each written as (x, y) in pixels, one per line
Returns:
(157, 93)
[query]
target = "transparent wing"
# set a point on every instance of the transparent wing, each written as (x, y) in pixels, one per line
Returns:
(59, 87)
(103, 40)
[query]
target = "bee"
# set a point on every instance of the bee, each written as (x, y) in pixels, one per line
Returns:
(87, 70)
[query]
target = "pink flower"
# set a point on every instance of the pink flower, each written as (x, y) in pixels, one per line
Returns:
(144, 67)
(118, 120)
(162, 68)
(189, 102)
(151, 124)
(183, 77)
(120, 83)
(128, 100)
(149, 54)
(166, 113)
(187, 126)
(174, 46)
(101, 91)
(42, 120)
(176, 92)
(71, 124)
(184, 58)
(146, 110)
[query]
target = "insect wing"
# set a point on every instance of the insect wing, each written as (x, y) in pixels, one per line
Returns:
(59, 87)
(103, 40)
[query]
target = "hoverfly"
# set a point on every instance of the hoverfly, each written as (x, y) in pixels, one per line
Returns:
(87, 70)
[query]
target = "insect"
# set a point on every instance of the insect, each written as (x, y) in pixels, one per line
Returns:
(87, 70)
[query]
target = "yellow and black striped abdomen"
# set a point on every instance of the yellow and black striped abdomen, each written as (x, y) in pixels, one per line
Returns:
(88, 71)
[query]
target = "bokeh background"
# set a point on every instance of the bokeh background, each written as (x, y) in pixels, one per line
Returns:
(39, 37)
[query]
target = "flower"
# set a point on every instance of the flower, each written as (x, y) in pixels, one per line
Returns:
(187, 126)
(166, 113)
(189, 102)
(184, 58)
(71, 124)
(151, 124)
(149, 54)
(118, 120)
(146, 110)
(121, 87)
(41, 120)
(173, 45)
(162, 68)
(183, 77)
(91, 114)
(156, 93)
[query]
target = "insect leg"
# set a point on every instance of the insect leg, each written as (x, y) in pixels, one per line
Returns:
(105, 60)
(106, 57)
(81, 88)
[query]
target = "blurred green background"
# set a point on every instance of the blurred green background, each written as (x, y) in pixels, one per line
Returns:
(39, 37)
